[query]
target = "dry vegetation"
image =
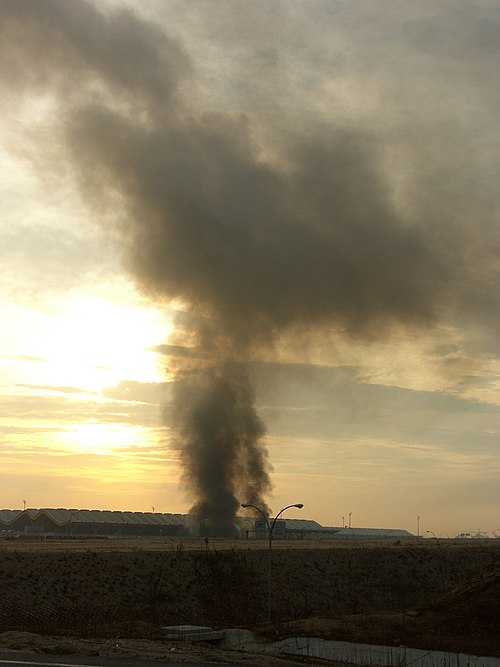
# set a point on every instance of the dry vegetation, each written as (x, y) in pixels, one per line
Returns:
(351, 591)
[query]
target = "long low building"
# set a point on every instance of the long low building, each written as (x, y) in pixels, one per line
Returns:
(308, 529)
(69, 523)
(72, 523)
(371, 534)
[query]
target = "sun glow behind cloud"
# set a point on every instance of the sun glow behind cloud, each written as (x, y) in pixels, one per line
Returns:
(65, 352)
(100, 438)
(113, 466)
(86, 342)
(96, 343)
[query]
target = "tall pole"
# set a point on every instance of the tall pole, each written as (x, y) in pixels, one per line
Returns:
(270, 529)
(270, 571)
(418, 526)
(69, 521)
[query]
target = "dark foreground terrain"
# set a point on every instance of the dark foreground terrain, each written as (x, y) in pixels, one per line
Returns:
(430, 594)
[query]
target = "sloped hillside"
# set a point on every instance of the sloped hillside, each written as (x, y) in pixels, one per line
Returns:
(473, 608)
(466, 620)
(344, 591)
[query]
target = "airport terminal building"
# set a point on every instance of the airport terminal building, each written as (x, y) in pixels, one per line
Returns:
(63, 523)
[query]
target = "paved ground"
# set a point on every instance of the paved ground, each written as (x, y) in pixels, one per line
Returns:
(139, 653)
(17, 659)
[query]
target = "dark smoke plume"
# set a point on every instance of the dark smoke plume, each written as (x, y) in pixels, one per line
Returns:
(220, 447)
(255, 240)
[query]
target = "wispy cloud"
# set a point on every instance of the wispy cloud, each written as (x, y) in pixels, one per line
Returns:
(54, 389)
(23, 357)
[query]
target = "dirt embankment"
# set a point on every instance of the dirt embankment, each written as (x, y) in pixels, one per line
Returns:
(97, 590)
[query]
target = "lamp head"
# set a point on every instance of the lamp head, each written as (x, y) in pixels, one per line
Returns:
(299, 505)
(245, 505)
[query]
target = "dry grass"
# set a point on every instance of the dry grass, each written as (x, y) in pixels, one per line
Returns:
(338, 590)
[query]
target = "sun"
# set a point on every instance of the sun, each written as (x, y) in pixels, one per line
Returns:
(103, 439)
(93, 342)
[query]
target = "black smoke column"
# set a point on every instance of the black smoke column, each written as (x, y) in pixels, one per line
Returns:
(219, 438)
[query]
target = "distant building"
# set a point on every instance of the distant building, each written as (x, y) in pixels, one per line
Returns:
(261, 530)
(80, 523)
(70, 523)
(372, 534)
(311, 530)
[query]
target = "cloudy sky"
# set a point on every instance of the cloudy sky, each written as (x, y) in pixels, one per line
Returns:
(303, 189)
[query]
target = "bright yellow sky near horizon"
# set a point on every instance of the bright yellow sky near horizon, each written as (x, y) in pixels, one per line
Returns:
(384, 430)
(87, 341)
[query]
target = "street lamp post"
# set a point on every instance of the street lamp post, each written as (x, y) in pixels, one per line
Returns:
(270, 529)
(69, 522)
(418, 526)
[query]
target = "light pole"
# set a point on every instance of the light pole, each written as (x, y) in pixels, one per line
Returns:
(350, 519)
(270, 528)
(69, 521)
(343, 521)
(418, 526)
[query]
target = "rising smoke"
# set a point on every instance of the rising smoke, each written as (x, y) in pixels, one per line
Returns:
(255, 238)
(220, 445)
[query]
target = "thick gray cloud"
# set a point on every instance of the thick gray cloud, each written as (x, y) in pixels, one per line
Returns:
(300, 401)
(313, 237)
(56, 38)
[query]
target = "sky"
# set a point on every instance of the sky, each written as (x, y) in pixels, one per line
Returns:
(285, 207)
